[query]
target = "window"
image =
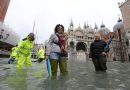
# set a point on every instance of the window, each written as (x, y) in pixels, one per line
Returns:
(127, 42)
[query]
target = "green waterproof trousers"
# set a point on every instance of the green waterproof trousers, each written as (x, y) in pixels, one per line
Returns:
(62, 65)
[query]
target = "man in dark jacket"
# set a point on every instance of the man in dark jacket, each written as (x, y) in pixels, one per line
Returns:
(98, 53)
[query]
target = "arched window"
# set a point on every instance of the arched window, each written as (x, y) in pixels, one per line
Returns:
(127, 42)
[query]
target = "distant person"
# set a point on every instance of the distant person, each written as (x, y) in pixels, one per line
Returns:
(13, 55)
(24, 51)
(98, 53)
(54, 51)
(40, 55)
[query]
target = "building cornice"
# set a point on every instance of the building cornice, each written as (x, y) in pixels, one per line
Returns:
(123, 3)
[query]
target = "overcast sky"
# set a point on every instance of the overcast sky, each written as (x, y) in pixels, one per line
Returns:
(47, 13)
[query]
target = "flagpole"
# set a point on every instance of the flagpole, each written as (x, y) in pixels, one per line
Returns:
(36, 36)
(34, 26)
(33, 31)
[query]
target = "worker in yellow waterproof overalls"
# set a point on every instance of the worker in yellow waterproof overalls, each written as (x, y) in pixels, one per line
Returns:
(24, 51)
(13, 55)
(40, 54)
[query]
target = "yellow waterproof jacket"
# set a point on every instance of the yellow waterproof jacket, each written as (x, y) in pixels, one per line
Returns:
(25, 47)
(40, 53)
(14, 52)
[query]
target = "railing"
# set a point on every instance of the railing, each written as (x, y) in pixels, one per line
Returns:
(4, 52)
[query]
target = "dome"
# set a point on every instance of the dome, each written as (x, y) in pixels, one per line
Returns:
(90, 34)
(104, 30)
(78, 28)
(89, 29)
(102, 25)
(119, 25)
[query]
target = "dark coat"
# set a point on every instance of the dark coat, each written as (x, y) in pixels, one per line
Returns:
(97, 47)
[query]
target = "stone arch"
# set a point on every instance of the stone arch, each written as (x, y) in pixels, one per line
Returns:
(79, 33)
(81, 46)
(72, 44)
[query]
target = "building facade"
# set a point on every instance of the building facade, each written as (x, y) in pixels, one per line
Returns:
(3, 9)
(80, 39)
(8, 38)
(125, 11)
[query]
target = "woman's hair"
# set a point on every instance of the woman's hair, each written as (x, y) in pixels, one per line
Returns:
(56, 28)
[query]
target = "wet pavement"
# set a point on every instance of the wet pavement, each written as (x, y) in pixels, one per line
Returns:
(81, 76)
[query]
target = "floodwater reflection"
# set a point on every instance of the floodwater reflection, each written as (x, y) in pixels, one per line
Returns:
(81, 76)
(18, 80)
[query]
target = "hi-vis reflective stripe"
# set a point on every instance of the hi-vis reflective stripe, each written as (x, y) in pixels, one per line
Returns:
(22, 53)
(26, 48)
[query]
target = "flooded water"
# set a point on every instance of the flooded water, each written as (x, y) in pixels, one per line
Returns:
(81, 76)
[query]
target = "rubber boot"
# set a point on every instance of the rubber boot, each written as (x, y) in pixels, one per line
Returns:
(54, 66)
(40, 60)
(63, 66)
(11, 60)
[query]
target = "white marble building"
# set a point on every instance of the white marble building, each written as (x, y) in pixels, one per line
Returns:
(80, 39)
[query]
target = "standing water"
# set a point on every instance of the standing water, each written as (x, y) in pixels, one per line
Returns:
(81, 76)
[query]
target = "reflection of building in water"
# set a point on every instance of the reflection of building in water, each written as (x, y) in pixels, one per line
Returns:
(8, 38)
(80, 39)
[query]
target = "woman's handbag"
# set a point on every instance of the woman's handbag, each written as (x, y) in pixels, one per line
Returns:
(64, 53)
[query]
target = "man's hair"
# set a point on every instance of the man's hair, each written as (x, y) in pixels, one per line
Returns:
(97, 34)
